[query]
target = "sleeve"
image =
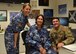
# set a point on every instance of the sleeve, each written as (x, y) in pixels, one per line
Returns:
(16, 24)
(52, 34)
(48, 41)
(30, 41)
(69, 36)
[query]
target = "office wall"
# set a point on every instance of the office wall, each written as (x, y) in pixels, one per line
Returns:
(8, 7)
(69, 7)
(17, 7)
(53, 4)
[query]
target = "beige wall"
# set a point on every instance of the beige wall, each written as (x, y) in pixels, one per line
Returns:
(17, 7)
(69, 7)
(8, 7)
(53, 4)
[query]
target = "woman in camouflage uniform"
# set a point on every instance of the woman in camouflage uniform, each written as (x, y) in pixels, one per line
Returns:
(17, 24)
(37, 39)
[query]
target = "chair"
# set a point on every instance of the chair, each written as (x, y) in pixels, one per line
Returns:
(23, 35)
(74, 33)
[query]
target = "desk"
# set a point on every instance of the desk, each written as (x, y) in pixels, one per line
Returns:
(2, 45)
(64, 50)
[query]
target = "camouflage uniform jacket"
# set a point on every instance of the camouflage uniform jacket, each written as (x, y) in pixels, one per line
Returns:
(63, 34)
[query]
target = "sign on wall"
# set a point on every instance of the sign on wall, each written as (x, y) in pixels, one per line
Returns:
(35, 13)
(72, 16)
(74, 3)
(62, 9)
(3, 15)
(13, 14)
(48, 13)
(43, 2)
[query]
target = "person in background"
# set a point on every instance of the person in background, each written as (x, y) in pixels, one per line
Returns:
(37, 38)
(60, 35)
(12, 31)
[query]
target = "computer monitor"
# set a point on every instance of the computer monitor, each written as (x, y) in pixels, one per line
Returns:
(64, 21)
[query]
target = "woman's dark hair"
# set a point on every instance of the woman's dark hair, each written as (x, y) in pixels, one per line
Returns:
(26, 4)
(37, 18)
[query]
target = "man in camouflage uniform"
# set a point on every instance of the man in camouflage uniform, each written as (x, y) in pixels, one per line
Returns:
(60, 35)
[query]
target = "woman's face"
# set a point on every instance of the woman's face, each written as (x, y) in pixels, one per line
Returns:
(26, 10)
(40, 21)
(56, 23)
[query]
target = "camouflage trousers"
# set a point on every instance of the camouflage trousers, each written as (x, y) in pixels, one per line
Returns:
(9, 44)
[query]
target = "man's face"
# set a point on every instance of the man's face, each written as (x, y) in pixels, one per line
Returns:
(56, 23)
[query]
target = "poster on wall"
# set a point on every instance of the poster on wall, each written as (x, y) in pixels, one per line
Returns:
(35, 13)
(72, 16)
(48, 13)
(13, 14)
(62, 9)
(33, 3)
(43, 2)
(3, 15)
(74, 3)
